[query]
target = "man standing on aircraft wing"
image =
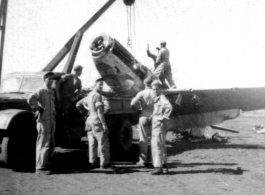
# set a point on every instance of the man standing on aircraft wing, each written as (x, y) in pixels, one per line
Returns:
(164, 66)
(68, 88)
(162, 110)
(153, 56)
(150, 55)
(144, 101)
(42, 101)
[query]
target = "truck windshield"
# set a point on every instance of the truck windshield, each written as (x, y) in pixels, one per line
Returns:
(31, 84)
(11, 84)
(20, 84)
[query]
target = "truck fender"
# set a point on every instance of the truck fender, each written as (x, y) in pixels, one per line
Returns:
(7, 116)
(19, 138)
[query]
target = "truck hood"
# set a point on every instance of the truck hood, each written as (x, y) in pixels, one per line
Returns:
(13, 97)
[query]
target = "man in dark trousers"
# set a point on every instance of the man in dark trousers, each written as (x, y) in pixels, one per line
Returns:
(68, 88)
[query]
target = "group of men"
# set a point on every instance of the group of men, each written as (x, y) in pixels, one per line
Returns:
(42, 102)
(154, 106)
(155, 110)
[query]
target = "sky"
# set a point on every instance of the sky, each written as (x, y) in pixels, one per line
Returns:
(212, 43)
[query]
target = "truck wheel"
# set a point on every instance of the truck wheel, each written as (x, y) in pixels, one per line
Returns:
(19, 153)
(6, 149)
(125, 135)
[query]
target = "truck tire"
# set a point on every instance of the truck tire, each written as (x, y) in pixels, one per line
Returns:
(125, 135)
(19, 153)
(6, 147)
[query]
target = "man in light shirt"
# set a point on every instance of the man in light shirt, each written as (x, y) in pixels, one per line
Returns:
(164, 67)
(144, 102)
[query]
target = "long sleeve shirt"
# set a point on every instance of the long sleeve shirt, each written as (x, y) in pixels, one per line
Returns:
(149, 54)
(163, 56)
(153, 56)
(162, 108)
(69, 85)
(44, 98)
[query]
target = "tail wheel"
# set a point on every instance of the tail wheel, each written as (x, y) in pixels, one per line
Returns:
(125, 135)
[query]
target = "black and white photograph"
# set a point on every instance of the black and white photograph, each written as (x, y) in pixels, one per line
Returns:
(126, 97)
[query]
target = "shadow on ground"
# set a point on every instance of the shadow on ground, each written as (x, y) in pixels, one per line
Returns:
(75, 160)
(181, 146)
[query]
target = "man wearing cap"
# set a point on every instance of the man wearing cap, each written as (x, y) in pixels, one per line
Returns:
(68, 88)
(164, 66)
(144, 102)
(153, 57)
(42, 102)
(162, 111)
(96, 127)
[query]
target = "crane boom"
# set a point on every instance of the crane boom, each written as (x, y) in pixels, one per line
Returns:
(69, 45)
(3, 12)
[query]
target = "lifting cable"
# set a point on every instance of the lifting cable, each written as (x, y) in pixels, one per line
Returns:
(129, 26)
(130, 9)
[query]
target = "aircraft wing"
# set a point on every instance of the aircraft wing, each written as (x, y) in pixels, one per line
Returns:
(209, 100)
(191, 108)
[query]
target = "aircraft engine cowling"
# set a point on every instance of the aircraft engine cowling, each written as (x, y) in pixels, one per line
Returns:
(120, 70)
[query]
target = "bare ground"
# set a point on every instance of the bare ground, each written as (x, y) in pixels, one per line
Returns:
(235, 167)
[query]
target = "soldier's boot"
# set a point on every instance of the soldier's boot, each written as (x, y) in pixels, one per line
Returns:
(157, 171)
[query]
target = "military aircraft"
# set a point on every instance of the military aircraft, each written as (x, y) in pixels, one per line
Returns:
(191, 108)
(125, 75)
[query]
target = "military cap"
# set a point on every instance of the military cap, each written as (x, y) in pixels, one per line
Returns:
(79, 67)
(47, 74)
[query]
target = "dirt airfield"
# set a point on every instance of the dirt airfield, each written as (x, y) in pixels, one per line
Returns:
(235, 167)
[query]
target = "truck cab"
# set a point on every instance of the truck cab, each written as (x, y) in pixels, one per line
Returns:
(17, 125)
(18, 132)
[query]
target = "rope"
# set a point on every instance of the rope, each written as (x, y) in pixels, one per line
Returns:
(131, 26)
(134, 28)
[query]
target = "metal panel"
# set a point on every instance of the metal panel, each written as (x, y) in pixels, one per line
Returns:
(7, 116)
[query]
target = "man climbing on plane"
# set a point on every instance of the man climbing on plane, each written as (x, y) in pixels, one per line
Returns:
(163, 66)
(153, 57)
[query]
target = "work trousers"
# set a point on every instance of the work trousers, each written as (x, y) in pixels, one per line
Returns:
(45, 143)
(158, 143)
(98, 145)
(67, 118)
(145, 126)
(163, 71)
